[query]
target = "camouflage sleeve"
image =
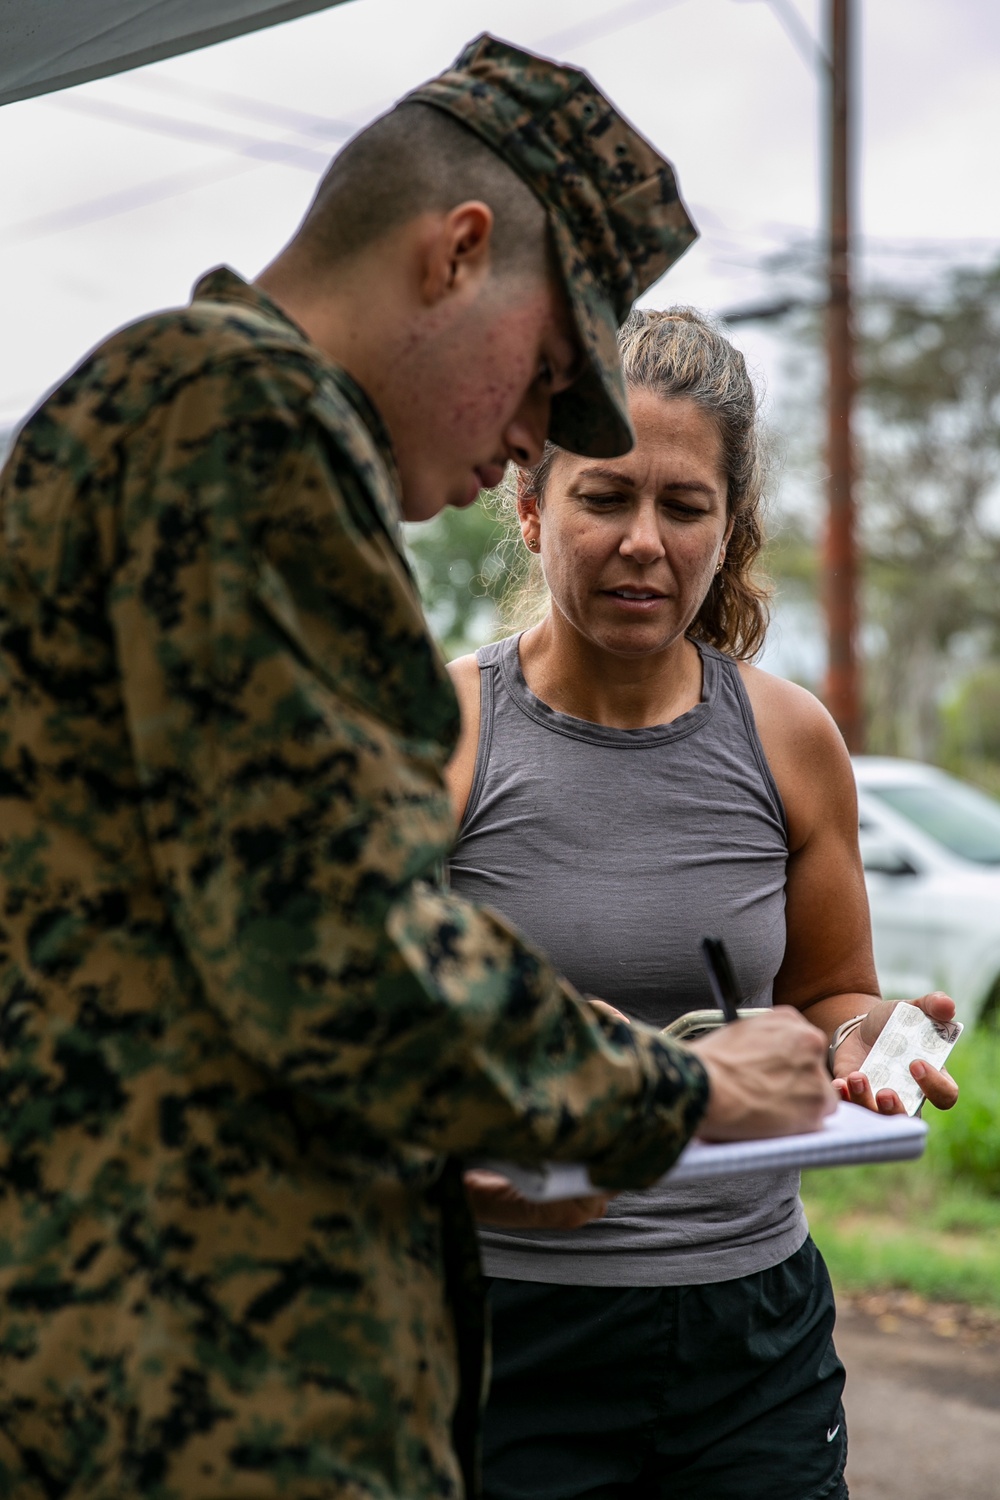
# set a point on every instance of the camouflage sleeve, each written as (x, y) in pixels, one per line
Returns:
(273, 654)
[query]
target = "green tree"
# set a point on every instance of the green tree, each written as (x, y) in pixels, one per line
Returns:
(459, 560)
(930, 497)
(928, 453)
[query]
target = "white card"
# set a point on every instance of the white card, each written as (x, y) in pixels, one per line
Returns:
(907, 1035)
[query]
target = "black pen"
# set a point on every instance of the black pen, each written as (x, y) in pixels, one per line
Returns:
(721, 977)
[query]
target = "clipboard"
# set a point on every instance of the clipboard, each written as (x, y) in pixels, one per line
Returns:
(850, 1136)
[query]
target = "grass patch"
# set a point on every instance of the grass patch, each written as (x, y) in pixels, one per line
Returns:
(931, 1226)
(950, 1254)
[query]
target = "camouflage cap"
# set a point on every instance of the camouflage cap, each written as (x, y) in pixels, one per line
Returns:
(617, 219)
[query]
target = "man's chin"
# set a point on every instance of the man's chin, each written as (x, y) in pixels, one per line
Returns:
(424, 505)
(467, 499)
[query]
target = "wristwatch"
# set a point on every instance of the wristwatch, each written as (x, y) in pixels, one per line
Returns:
(841, 1034)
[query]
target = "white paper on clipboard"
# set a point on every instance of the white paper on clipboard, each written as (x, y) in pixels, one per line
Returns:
(849, 1136)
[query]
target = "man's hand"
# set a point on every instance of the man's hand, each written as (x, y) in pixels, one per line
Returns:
(767, 1077)
(935, 1084)
(495, 1202)
(608, 1011)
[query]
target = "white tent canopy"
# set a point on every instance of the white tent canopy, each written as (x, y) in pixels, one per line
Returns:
(52, 44)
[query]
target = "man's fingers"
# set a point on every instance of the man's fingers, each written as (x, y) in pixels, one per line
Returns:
(607, 1010)
(479, 1179)
(495, 1201)
(580, 1211)
(565, 1213)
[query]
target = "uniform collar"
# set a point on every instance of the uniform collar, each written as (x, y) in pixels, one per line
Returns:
(224, 285)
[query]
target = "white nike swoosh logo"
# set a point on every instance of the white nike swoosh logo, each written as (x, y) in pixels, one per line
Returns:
(831, 1433)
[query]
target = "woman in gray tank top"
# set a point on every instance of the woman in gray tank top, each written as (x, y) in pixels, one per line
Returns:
(628, 784)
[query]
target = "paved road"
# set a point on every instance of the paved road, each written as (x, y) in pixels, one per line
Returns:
(923, 1407)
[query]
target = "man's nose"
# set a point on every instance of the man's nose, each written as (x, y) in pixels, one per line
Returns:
(525, 434)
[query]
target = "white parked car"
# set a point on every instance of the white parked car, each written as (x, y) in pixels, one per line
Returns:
(931, 851)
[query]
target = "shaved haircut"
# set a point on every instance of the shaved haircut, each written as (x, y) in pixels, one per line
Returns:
(414, 160)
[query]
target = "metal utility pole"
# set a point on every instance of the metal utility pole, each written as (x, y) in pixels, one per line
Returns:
(842, 689)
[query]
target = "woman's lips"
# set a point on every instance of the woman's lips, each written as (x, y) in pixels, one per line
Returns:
(635, 600)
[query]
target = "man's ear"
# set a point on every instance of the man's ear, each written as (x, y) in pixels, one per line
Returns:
(457, 251)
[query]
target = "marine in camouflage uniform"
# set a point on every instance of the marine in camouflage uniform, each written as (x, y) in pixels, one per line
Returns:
(246, 1035)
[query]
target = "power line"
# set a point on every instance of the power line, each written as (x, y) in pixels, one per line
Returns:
(93, 210)
(606, 24)
(249, 151)
(798, 241)
(798, 33)
(300, 121)
(288, 153)
(767, 312)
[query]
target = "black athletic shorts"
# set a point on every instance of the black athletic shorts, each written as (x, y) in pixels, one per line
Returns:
(730, 1391)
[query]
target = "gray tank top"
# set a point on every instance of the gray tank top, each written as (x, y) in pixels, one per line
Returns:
(617, 851)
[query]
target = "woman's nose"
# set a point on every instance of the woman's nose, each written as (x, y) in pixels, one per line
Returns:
(642, 540)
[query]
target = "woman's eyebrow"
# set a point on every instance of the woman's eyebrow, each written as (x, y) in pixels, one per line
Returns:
(692, 486)
(625, 481)
(612, 476)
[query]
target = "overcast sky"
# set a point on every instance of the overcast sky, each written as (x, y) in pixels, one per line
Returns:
(718, 85)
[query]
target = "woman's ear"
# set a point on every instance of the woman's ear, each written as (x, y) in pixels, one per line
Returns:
(528, 513)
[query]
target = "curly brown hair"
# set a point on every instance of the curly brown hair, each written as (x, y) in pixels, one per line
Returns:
(680, 352)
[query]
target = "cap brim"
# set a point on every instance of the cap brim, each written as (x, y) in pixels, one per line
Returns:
(592, 416)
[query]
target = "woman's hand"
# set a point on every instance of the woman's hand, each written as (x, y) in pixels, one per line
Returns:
(495, 1202)
(935, 1084)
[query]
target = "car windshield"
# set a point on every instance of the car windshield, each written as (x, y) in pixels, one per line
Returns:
(965, 821)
